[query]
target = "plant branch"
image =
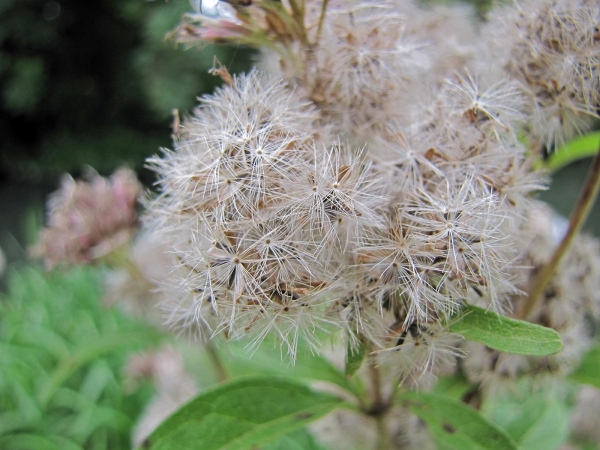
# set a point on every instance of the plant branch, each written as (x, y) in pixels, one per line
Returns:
(321, 20)
(586, 199)
(298, 15)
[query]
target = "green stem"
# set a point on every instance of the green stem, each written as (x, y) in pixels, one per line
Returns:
(584, 204)
(215, 359)
(379, 407)
(383, 438)
(375, 378)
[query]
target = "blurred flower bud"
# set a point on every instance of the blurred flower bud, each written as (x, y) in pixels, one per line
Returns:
(89, 219)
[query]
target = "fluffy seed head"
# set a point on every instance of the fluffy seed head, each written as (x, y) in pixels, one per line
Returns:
(555, 54)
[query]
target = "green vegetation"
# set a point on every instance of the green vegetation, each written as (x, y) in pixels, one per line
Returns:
(61, 361)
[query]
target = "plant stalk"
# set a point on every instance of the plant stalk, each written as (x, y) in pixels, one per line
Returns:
(375, 378)
(298, 15)
(215, 359)
(584, 204)
(379, 407)
(383, 439)
(321, 20)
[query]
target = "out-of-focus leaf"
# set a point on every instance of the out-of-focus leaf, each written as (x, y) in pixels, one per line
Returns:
(23, 90)
(536, 423)
(87, 354)
(579, 148)
(505, 334)
(455, 425)
(61, 359)
(588, 371)
(37, 442)
(453, 387)
(296, 440)
(240, 414)
(354, 358)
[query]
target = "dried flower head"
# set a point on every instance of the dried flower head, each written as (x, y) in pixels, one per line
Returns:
(553, 49)
(278, 223)
(89, 219)
(365, 66)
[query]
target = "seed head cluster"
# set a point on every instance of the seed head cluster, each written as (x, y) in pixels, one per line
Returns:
(366, 183)
(552, 47)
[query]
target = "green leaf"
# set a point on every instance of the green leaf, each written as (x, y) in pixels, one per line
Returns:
(11, 421)
(579, 148)
(59, 344)
(355, 357)
(453, 387)
(37, 442)
(241, 413)
(535, 423)
(25, 87)
(87, 354)
(455, 425)
(588, 371)
(505, 334)
(296, 440)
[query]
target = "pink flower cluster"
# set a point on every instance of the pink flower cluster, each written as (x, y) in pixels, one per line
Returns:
(89, 219)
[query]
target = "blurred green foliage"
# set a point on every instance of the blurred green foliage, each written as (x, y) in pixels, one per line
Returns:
(61, 360)
(94, 83)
